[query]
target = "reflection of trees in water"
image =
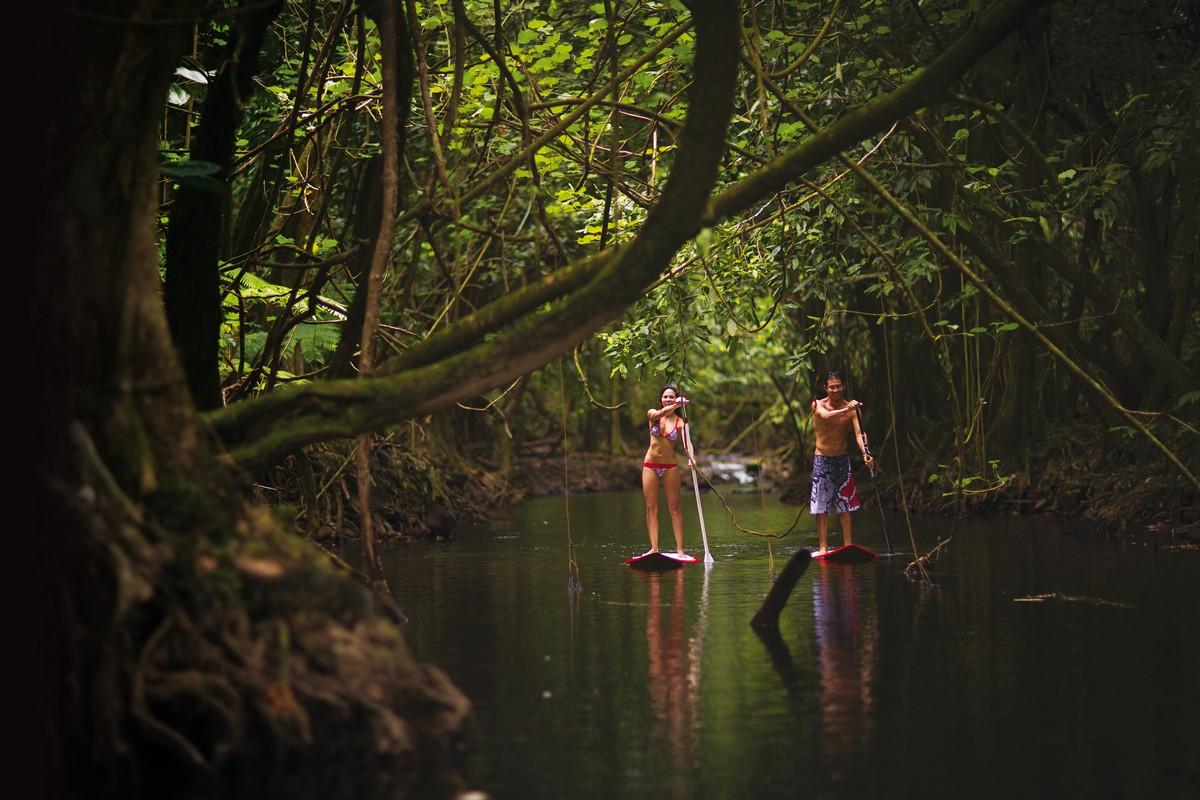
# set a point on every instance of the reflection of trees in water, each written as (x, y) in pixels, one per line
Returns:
(847, 634)
(673, 671)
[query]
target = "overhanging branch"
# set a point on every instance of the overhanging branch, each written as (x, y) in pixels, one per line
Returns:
(259, 431)
(931, 84)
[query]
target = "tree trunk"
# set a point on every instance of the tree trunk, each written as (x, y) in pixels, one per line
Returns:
(162, 583)
(192, 285)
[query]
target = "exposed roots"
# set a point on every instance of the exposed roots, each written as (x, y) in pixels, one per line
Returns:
(228, 658)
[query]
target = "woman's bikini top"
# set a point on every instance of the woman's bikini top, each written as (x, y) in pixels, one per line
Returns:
(672, 436)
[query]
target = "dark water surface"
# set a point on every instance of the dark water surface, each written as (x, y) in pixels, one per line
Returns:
(654, 686)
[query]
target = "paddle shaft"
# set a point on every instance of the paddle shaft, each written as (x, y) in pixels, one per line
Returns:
(874, 483)
(687, 439)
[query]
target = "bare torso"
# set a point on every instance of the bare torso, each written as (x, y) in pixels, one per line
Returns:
(832, 425)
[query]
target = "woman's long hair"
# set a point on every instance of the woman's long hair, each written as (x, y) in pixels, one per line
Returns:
(679, 411)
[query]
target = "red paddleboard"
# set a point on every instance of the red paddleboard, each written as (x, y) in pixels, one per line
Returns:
(656, 562)
(846, 554)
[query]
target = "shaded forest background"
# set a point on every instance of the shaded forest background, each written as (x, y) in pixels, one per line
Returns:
(1056, 169)
(533, 210)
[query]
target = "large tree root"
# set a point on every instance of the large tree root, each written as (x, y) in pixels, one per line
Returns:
(231, 659)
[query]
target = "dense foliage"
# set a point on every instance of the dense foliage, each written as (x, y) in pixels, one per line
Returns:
(1056, 169)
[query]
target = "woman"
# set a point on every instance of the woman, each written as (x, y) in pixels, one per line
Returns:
(667, 428)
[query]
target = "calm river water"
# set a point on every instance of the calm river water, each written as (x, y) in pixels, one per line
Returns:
(654, 685)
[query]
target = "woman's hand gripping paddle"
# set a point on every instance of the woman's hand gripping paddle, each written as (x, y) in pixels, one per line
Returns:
(874, 483)
(687, 441)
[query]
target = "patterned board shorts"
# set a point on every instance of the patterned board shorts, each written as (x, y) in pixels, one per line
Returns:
(833, 489)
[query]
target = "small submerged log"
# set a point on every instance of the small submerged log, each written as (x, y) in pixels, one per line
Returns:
(768, 614)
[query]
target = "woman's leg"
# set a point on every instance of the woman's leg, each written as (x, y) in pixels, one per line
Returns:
(672, 481)
(650, 490)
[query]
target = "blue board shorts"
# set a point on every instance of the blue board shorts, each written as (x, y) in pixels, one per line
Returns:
(833, 489)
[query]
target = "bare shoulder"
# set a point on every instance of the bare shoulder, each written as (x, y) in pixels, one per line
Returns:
(650, 413)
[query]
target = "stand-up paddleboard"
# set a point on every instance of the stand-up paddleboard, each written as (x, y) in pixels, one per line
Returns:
(657, 562)
(846, 554)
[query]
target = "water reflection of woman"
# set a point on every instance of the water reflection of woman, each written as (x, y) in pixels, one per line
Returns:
(668, 427)
(847, 641)
(669, 671)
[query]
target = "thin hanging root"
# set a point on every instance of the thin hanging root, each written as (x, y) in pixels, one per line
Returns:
(917, 567)
(491, 403)
(574, 583)
(587, 389)
(733, 516)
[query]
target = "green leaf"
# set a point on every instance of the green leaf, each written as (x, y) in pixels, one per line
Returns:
(1190, 397)
(195, 76)
(1047, 231)
(316, 341)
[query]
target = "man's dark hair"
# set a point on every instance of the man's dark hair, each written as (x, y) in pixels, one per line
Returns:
(833, 374)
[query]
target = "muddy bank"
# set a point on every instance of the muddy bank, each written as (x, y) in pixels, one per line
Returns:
(425, 494)
(428, 494)
(584, 473)
(1131, 498)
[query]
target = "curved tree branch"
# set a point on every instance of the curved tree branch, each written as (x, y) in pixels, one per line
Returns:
(928, 86)
(258, 432)
(261, 430)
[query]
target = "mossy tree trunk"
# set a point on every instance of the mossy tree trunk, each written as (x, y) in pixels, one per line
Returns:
(185, 636)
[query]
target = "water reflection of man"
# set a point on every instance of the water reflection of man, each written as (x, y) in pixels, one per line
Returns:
(847, 640)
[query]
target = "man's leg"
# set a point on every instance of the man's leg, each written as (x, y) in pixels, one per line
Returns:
(822, 532)
(847, 521)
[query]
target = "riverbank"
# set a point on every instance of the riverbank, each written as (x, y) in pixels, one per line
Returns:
(419, 495)
(1110, 496)
(427, 494)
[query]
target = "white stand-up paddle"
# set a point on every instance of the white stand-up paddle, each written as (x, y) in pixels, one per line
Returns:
(687, 440)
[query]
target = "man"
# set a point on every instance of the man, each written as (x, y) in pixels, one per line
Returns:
(833, 490)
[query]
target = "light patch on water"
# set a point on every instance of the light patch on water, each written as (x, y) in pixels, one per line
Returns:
(1070, 598)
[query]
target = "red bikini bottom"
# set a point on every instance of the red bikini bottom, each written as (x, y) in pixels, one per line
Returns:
(659, 469)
